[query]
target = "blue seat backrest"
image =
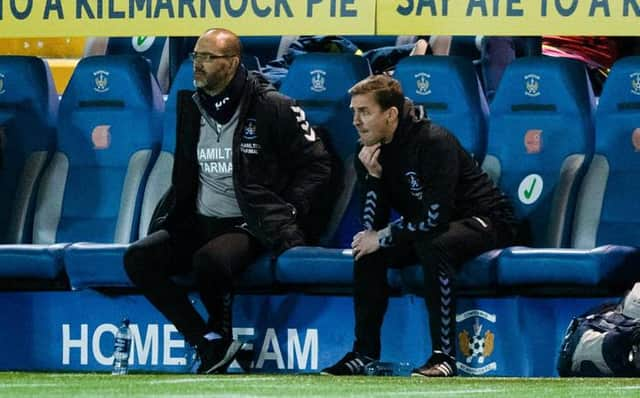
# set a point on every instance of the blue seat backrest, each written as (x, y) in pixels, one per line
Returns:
(109, 132)
(160, 177)
(540, 140)
(609, 211)
(451, 95)
(28, 109)
(320, 83)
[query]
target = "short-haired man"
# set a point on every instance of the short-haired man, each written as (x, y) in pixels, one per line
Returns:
(451, 211)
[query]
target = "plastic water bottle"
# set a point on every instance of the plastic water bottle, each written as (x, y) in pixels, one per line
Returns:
(380, 368)
(121, 349)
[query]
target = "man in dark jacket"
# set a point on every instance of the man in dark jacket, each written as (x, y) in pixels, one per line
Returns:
(451, 211)
(247, 166)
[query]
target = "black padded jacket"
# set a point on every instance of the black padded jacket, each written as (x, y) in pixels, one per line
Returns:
(279, 167)
(430, 180)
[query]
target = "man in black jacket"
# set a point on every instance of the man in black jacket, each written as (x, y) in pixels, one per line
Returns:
(247, 166)
(451, 211)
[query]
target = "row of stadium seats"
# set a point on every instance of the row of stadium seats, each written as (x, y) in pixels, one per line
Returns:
(94, 169)
(164, 54)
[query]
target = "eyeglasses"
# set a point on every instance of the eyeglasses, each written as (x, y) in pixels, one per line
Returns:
(207, 57)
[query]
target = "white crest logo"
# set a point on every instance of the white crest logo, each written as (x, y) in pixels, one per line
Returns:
(249, 132)
(423, 85)
(635, 83)
(101, 80)
(2, 90)
(476, 347)
(415, 185)
(318, 78)
(532, 85)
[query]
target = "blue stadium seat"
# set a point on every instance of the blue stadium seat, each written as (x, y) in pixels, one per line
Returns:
(606, 231)
(109, 132)
(91, 265)
(540, 141)
(28, 110)
(81, 259)
(109, 129)
(608, 213)
(450, 93)
(319, 82)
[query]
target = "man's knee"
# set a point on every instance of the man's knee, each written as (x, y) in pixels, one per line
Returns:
(434, 253)
(207, 264)
(367, 261)
(436, 258)
(138, 262)
(370, 268)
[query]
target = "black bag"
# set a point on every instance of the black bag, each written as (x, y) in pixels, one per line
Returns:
(603, 342)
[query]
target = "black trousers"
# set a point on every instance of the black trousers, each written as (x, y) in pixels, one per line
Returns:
(441, 257)
(216, 251)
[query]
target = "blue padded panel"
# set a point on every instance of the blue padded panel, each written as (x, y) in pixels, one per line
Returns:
(617, 121)
(96, 265)
(306, 265)
(150, 48)
(552, 95)
(479, 272)
(31, 261)
(28, 109)
(108, 95)
(451, 94)
(182, 81)
(603, 266)
(315, 265)
(92, 265)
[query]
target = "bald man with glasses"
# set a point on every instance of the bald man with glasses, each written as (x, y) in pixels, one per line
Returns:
(247, 169)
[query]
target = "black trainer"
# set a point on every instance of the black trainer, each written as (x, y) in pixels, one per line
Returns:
(439, 365)
(634, 354)
(351, 364)
(217, 355)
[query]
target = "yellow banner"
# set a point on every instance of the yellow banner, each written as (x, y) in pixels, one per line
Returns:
(509, 17)
(61, 18)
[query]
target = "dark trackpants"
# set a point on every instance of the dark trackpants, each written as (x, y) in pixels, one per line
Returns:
(216, 251)
(441, 257)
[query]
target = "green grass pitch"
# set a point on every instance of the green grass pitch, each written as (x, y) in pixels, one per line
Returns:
(75, 385)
